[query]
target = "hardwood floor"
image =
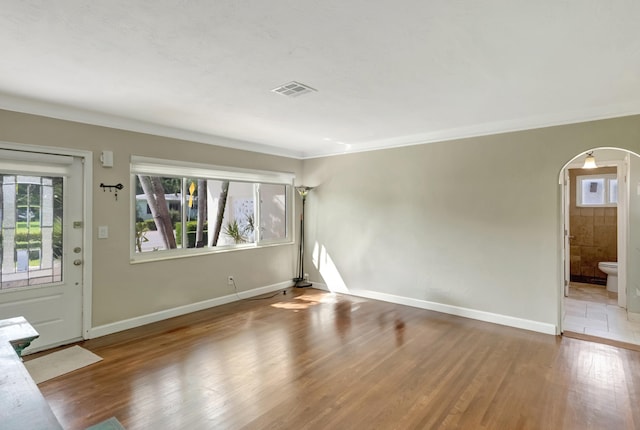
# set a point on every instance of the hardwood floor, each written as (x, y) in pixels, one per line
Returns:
(311, 360)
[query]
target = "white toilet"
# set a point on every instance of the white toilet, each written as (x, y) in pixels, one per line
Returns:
(611, 269)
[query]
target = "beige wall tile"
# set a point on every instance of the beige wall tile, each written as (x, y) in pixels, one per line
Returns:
(586, 211)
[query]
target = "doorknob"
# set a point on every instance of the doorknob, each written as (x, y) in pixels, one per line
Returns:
(571, 237)
(77, 262)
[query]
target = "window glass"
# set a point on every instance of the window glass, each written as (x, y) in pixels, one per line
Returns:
(195, 214)
(158, 213)
(183, 212)
(597, 190)
(232, 208)
(273, 221)
(613, 191)
(593, 192)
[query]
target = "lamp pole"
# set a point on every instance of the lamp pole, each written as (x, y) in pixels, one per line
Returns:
(300, 282)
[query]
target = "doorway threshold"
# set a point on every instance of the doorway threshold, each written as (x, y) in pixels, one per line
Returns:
(603, 340)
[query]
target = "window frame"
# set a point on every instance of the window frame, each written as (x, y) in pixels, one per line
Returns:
(606, 190)
(140, 165)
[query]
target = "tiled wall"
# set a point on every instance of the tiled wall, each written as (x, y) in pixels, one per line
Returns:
(595, 233)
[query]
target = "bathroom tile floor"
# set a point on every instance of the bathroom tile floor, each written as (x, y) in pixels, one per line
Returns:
(592, 310)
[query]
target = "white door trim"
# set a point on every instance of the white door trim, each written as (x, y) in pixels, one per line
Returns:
(87, 212)
(623, 227)
(623, 194)
(566, 186)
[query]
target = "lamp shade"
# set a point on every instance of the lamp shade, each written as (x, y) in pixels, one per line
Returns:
(590, 161)
(303, 191)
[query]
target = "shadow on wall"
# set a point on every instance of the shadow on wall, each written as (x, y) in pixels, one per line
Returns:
(332, 278)
(324, 264)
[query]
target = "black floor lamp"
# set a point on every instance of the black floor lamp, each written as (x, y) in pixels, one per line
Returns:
(300, 282)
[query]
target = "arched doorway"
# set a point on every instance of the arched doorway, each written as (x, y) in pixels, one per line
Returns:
(597, 225)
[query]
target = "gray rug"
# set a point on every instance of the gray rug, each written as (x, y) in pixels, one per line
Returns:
(110, 424)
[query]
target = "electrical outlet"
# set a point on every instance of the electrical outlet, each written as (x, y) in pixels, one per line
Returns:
(230, 280)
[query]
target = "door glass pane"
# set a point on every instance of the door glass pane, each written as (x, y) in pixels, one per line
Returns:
(273, 223)
(31, 213)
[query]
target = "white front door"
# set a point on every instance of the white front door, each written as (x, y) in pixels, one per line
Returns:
(41, 207)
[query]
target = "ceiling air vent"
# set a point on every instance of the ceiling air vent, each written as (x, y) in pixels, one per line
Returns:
(293, 89)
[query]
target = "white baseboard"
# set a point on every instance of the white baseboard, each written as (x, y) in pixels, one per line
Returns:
(115, 327)
(453, 310)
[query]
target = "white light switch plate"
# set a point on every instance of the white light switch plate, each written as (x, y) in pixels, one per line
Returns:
(103, 232)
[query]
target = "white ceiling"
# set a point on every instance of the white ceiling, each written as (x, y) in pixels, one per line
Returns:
(388, 73)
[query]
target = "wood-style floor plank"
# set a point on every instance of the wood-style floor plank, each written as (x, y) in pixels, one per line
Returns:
(312, 360)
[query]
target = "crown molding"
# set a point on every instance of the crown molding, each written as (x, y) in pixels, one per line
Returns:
(487, 129)
(68, 113)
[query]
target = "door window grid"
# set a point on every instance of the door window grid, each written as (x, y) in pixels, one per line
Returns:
(31, 228)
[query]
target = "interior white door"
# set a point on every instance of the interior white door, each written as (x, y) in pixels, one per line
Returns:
(41, 208)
